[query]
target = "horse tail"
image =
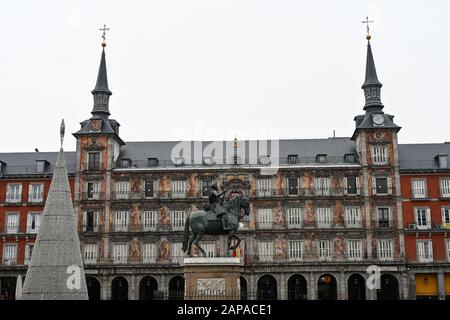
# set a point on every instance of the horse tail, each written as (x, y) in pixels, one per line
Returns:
(186, 234)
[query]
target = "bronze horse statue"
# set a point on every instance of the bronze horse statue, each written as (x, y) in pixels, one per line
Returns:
(206, 222)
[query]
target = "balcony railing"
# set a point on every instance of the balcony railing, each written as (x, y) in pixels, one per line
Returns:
(304, 192)
(36, 198)
(9, 262)
(92, 196)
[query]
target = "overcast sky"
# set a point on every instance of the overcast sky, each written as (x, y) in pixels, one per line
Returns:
(210, 69)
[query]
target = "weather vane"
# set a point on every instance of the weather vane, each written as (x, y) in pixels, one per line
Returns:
(367, 22)
(104, 29)
(62, 131)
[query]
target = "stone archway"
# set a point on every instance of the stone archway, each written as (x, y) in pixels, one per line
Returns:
(93, 287)
(243, 284)
(8, 288)
(297, 288)
(176, 288)
(326, 287)
(267, 288)
(119, 289)
(388, 288)
(147, 287)
(356, 287)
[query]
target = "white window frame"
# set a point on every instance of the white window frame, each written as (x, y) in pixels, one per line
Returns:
(149, 220)
(445, 217)
(37, 223)
(444, 184)
(121, 221)
(178, 189)
(264, 187)
(12, 222)
(90, 254)
(295, 250)
(322, 186)
(36, 196)
(14, 193)
(99, 160)
(324, 218)
(9, 254)
(120, 253)
(95, 191)
(264, 218)
(149, 252)
(155, 185)
(419, 188)
(325, 250)
(210, 248)
(389, 215)
(358, 189)
(447, 247)
(388, 185)
(424, 251)
(294, 217)
(122, 189)
(265, 251)
(176, 255)
(95, 227)
(353, 217)
(288, 187)
(385, 249)
(379, 155)
(28, 253)
(354, 250)
(177, 219)
(419, 214)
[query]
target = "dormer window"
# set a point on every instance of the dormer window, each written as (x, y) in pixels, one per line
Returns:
(293, 159)
(152, 162)
(179, 161)
(125, 163)
(2, 166)
(442, 160)
(321, 158)
(350, 158)
(42, 166)
(264, 160)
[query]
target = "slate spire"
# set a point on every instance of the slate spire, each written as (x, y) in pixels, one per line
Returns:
(101, 91)
(371, 86)
(56, 268)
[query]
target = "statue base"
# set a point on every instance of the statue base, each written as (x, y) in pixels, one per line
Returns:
(212, 278)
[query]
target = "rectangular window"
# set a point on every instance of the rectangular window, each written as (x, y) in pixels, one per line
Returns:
(321, 158)
(383, 217)
(351, 185)
(36, 192)
(90, 222)
(265, 251)
(295, 250)
(384, 249)
(419, 188)
(93, 160)
(206, 185)
(292, 185)
(178, 188)
(14, 193)
(28, 252)
(149, 220)
(120, 253)
(210, 248)
(9, 254)
(294, 218)
(90, 253)
(122, 189)
(264, 218)
(152, 162)
(121, 221)
(353, 217)
(325, 250)
(323, 218)
(442, 161)
(93, 190)
(322, 186)
(445, 188)
(448, 249)
(379, 155)
(264, 187)
(446, 217)
(148, 252)
(423, 218)
(175, 252)
(12, 223)
(33, 222)
(382, 185)
(178, 217)
(41, 166)
(293, 159)
(149, 188)
(354, 250)
(424, 251)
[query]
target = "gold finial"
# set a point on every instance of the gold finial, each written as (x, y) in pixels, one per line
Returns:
(104, 29)
(367, 21)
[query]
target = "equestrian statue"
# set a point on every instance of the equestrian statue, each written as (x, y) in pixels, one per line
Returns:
(216, 219)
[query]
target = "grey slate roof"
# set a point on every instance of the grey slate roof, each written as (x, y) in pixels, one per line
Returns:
(57, 246)
(421, 156)
(24, 163)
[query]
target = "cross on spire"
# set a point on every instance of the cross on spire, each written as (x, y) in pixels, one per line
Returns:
(104, 29)
(367, 22)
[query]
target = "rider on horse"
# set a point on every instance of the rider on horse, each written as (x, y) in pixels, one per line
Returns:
(216, 202)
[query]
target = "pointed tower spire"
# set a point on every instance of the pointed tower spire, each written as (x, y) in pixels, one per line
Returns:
(56, 269)
(101, 91)
(371, 86)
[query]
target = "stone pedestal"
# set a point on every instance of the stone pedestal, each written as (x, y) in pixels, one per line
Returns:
(212, 278)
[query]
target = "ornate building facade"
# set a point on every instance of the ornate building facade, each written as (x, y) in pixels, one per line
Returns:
(325, 213)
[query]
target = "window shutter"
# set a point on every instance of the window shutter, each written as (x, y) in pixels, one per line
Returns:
(428, 217)
(345, 186)
(20, 193)
(84, 220)
(374, 185)
(389, 185)
(357, 186)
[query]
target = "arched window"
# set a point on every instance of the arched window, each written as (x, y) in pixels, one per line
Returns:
(326, 287)
(93, 287)
(356, 287)
(176, 288)
(267, 288)
(388, 288)
(147, 288)
(119, 289)
(297, 288)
